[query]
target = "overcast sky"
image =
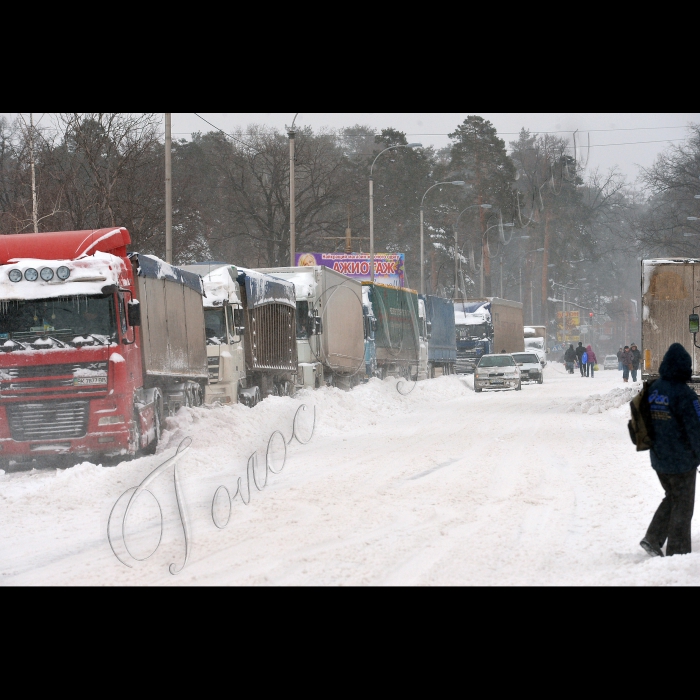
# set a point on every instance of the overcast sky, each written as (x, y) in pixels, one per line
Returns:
(626, 140)
(622, 131)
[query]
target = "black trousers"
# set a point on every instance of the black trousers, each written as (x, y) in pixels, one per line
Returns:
(582, 367)
(673, 516)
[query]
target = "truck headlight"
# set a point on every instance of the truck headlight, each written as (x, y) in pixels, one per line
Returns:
(110, 420)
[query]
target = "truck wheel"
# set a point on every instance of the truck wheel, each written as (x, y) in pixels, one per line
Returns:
(477, 389)
(431, 371)
(541, 380)
(519, 387)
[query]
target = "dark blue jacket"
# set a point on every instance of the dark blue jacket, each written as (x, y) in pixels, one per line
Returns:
(675, 412)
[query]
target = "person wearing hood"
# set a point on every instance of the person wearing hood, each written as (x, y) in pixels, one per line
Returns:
(590, 361)
(569, 359)
(626, 359)
(675, 453)
(636, 359)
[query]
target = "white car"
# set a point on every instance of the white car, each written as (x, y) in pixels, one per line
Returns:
(530, 367)
(610, 362)
(497, 372)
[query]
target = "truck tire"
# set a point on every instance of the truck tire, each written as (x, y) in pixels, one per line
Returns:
(431, 370)
(519, 387)
(477, 390)
(541, 379)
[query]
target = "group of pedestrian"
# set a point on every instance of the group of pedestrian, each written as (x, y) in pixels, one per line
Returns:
(628, 360)
(584, 357)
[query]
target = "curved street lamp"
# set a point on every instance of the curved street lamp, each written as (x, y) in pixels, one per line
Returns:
(457, 258)
(371, 202)
(437, 184)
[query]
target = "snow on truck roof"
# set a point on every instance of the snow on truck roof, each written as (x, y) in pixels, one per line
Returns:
(86, 276)
(154, 268)
(265, 289)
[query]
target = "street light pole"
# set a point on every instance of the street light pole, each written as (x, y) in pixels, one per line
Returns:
(292, 194)
(168, 191)
(371, 202)
(422, 271)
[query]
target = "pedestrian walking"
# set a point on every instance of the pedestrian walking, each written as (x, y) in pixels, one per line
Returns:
(584, 363)
(579, 354)
(619, 360)
(675, 453)
(591, 361)
(636, 359)
(569, 359)
(626, 363)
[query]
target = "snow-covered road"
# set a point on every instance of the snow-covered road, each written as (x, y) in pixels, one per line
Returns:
(443, 486)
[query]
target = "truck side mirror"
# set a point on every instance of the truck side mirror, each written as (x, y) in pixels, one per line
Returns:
(318, 325)
(134, 313)
(694, 323)
(429, 326)
(374, 325)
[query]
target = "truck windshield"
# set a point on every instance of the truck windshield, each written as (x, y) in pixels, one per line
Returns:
(496, 361)
(527, 359)
(74, 320)
(534, 343)
(215, 326)
(480, 330)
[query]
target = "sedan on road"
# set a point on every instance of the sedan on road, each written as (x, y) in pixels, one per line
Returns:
(530, 367)
(497, 372)
(610, 362)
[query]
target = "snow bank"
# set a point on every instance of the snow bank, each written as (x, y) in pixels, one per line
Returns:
(597, 403)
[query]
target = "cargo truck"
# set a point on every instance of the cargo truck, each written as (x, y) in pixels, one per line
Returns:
(97, 345)
(396, 335)
(535, 338)
(329, 325)
(670, 301)
(249, 322)
(484, 327)
(442, 347)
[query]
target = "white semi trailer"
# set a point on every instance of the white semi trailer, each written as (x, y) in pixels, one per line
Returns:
(329, 325)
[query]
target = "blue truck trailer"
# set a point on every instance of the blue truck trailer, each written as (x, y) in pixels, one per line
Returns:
(442, 346)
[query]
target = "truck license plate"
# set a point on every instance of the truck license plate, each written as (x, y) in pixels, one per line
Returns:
(82, 381)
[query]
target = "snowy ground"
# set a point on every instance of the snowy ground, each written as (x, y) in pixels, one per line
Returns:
(443, 486)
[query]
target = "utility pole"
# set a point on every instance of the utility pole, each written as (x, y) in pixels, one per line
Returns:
(168, 191)
(292, 194)
(500, 259)
(35, 215)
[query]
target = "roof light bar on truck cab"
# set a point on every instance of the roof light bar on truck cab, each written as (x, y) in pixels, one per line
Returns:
(46, 274)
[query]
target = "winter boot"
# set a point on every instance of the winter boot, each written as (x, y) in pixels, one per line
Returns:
(650, 549)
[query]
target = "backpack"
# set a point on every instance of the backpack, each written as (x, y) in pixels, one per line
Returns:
(584, 358)
(641, 427)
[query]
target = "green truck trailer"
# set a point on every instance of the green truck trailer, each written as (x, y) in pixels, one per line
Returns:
(396, 336)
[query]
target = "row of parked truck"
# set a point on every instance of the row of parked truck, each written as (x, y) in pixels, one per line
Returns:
(99, 345)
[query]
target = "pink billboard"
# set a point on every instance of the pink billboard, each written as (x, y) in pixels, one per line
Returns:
(388, 267)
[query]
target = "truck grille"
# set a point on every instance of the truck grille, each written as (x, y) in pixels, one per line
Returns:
(272, 338)
(48, 421)
(46, 376)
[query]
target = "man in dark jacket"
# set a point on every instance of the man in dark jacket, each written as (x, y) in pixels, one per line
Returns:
(619, 359)
(636, 358)
(626, 359)
(569, 359)
(675, 454)
(579, 354)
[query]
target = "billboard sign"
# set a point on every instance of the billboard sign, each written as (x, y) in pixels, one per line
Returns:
(388, 267)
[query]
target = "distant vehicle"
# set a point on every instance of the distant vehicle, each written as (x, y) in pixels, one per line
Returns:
(535, 338)
(497, 372)
(486, 326)
(530, 367)
(610, 362)
(442, 349)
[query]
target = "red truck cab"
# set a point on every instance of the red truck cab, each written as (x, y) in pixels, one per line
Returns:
(70, 364)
